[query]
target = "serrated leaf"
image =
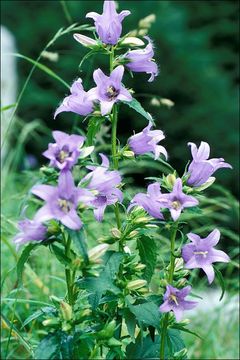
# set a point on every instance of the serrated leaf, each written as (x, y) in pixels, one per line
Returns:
(176, 340)
(49, 347)
(146, 313)
(221, 282)
(23, 259)
(143, 348)
(135, 104)
(130, 321)
(148, 255)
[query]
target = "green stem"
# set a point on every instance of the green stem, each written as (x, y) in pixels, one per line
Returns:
(68, 272)
(170, 279)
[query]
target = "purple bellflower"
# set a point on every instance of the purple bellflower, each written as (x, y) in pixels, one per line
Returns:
(62, 201)
(174, 300)
(200, 253)
(64, 153)
(141, 60)
(104, 183)
(30, 231)
(78, 102)
(109, 24)
(201, 168)
(146, 141)
(149, 202)
(176, 201)
(109, 89)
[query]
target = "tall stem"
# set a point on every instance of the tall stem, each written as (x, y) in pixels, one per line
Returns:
(68, 271)
(170, 279)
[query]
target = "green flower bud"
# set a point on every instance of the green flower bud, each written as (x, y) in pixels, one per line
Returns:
(178, 264)
(128, 154)
(170, 180)
(136, 284)
(142, 219)
(51, 322)
(147, 21)
(180, 354)
(132, 41)
(108, 331)
(184, 322)
(97, 252)
(140, 266)
(133, 234)
(167, 102)
(116, 233)
(66, 311)
(114, 342)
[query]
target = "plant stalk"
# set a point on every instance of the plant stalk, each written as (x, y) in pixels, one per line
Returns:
(68, 272)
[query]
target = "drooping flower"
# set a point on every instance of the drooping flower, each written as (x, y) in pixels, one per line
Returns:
(149, 202)
(30, 231)
(176, 201)
(62, 201)
(104, 183)
(200, 253)
(174, 300)
(109, 24)
(78, 102)
(141, 60)
(146, 141)
(201, 168)
(64, 153)
(109, 90)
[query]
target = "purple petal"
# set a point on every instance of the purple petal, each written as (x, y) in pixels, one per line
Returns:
(185, 291)
(93, 15)
(192, 264)
(175, 213)
(60, 137)
(209, 271)
(84, 196)
(124, 95)
(177, 188)
(99, 212)
(44, 213)
(165, 307)
(154, 190)
(105, 161)
(99, 77)
(219, 256)
(187, 252)
(193, 237)
(117, 74)
(45, 192)
(66, 184)
(123, 14)
(188, 305)
(106, 107)
(178, 312)
(213, 238)
(72, 220)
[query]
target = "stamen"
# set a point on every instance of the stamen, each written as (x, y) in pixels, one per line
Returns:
(62, 156)
(204, 253)
(112, 93)
(174, 298)
(64, 205)
(176, 205)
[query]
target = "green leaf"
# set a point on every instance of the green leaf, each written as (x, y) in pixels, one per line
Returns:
(94, 125)
(221, 281)
(176, 342)
(146, 313)
(59, 252)
(23, 259)
(148, 255)
(49, 347)
(67, 346)
(143, 348)
(182, 328)
(7, 107)
(130, 321)
(134, 104)
(45, 310)
(79, 242)
(42, 67)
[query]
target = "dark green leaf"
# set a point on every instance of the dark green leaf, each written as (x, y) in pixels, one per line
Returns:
(134, 104)
(79, 242)
(94, 125)
(176, 341)
(221, 281)
(144, 348)
(60, 254)
(130, 321)
(147, 313)
(182, 328)
(49, 347)
(67, 346)
(23, 259)
(148, 255)
(45, 310)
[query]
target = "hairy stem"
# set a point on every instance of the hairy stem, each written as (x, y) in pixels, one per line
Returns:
(170, 279)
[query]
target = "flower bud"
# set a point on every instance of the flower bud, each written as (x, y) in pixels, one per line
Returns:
(206, 184)
(155, 102)
(181, 282)
(132, 41)
(180, 354)
(147, 21)
(136, 284)
(178, 264)
(108, 331)
(128, 154)
(127, 250)
(86, 312)
(143, 32)
(55, 299)
(133, 234)
(116, 233)
(97, 252)
(85, 40)
(51, 56)
(86, 151)
(105, 239)
(163, 282)
(184, 322)
(142, 219)
(140, 266)
(66, 311)
(53, 227)
(51, 322)
(114, 342)
(170, 180)
(167, 102)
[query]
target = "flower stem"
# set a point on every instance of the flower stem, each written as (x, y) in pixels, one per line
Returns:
(170, 279)
(68, 271)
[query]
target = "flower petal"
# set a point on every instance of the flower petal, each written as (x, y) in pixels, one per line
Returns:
(209, 271)
(45, 192)
(219, 256)
(72, 220)
(44, 213)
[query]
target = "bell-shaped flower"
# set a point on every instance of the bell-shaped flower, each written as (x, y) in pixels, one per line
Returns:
(141, 60)
(176, 201)
(201, 168)
(78, 102)
(65, 152)
(62, 201)
(109, 90)
(149, 202)
(103, 183)
(146, 141)
(174, 300)
(109, 23)
(200, 253)
(30, 231)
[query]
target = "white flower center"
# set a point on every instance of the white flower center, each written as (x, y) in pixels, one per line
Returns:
(173, 298)
(176, 204)
(65, 205)
(203, 253)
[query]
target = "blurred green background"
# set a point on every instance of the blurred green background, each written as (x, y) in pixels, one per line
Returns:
(196, 44)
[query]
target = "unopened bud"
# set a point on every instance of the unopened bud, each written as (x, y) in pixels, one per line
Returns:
(51, 56)
(85, 152)
(142, 219)
(128, 154)
(147, 21)
(163, 283)
(85, 40)
(170, 180)
(86, 312)
(76, 263)
(97, 252)
(143, 32)
(127, 250)
(116, 233)
(206, 184)
(143, 290)
(184, 322)
(66, 311)
(181, 283)
(105, 239)
(155, 102)
(136, 284)
(178, 264)
(140, 266)
(53, 227)
(51, 322)
(167, 102)
(132, 41)
(133, 234)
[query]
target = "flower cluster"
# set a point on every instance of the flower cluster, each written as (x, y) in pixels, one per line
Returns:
(71, 192)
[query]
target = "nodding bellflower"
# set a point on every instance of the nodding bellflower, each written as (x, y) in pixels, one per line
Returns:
(146, 141)
(201, 168)
(78, 102)
(109, 23)
(109, 90)
(30, 231)
(149, 202)
(141, 60)
(65, 152)
(174, 300)
(200, 253)
(62, 201)
(104, 184)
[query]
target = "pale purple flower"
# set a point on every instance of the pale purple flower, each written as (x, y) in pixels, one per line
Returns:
(65, 152)
(141, 60)
(109, 90)
(174, 300)
(200, 253)
(201, 168)
(30, 231)
(109, 24)
(103, 183)
(62, 201)
(176, 201)
(149, 202)
(146, 141)
(78, 102)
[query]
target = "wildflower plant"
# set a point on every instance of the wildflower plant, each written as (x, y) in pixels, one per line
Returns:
(110, 309)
